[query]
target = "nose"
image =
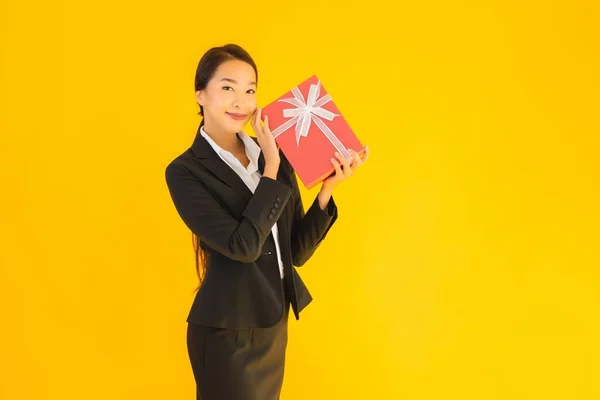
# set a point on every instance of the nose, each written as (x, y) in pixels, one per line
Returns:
(241, 101)
(237, 101)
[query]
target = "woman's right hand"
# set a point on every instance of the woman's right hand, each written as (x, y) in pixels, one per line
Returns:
(267, 144)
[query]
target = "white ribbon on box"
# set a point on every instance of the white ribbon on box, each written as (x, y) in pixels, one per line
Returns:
(309, 111)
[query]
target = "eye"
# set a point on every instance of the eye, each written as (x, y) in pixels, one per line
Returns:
(251, 90)
(227, 87)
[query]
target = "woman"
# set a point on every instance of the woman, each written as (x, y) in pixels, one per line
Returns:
(240, 198)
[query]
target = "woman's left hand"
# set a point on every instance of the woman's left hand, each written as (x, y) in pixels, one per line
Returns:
(344, 168)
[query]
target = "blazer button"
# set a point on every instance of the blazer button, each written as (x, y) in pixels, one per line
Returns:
(278, 199)
(270, 216)
(274, 211)
(276, 205)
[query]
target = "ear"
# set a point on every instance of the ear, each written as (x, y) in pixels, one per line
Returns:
(200, 95)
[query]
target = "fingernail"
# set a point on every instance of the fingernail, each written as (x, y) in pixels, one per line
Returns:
(337, 154)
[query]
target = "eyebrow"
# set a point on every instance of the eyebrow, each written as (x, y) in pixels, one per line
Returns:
(234, 81)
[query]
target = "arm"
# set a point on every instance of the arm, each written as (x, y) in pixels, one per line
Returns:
(310, 228)
(239, 240)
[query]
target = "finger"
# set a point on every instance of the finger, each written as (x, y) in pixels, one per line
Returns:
(366, 153)
(257, 121)
(254, 119)
(266, 126)
(345, 165)
(355, 158)
(355, 161)
(343, 160)
(336, 166)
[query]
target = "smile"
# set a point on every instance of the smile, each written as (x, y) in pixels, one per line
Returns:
(237, 117)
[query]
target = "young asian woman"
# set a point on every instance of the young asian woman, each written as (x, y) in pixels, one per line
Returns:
(240, 198)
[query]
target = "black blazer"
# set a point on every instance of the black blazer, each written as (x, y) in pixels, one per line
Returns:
(242, 287)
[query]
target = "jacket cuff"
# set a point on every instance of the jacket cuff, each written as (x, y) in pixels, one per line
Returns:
(330, 210)
(325, 218)
(267, 203)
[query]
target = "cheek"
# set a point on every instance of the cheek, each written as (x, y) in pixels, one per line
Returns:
(252, 104)
(221, 100)
(217, 101)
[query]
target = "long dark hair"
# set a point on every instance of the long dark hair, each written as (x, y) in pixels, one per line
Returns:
(207, 66)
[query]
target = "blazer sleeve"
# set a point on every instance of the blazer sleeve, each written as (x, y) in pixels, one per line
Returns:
(240, 240)
(309, 228)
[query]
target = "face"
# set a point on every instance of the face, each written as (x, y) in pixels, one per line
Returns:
(229, 99)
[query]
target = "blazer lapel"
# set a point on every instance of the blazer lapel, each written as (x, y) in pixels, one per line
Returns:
(203, 151)
(210, 159)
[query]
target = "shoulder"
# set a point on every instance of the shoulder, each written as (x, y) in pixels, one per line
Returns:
(181, 163)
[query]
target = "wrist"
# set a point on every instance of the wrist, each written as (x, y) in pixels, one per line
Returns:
(323, 197)
(271, 171)
(326, 190)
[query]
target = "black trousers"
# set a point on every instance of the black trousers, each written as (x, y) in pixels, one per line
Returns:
(238, 364)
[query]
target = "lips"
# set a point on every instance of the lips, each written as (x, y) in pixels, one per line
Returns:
(237, 117)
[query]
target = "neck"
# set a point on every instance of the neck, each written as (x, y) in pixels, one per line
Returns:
(228, 141)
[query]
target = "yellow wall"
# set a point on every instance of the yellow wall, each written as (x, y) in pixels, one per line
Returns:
(464, 264)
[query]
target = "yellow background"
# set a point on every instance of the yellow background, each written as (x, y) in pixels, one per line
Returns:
(465, 261)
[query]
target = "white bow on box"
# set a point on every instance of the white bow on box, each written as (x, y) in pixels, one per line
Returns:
(309, 111)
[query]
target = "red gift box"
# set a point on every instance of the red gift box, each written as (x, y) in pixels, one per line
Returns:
(309, 129)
